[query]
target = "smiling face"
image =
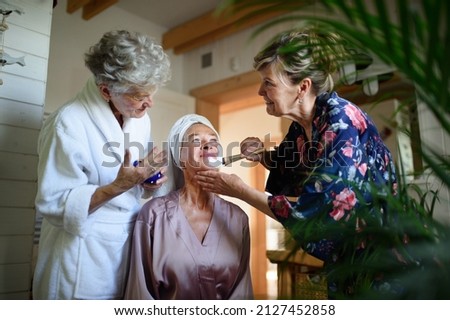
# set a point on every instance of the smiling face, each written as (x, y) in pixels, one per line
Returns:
(200, 143)
(280, 96)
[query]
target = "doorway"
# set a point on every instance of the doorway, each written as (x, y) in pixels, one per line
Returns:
(234, 127)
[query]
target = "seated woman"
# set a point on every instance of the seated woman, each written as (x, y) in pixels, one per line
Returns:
(188, 243)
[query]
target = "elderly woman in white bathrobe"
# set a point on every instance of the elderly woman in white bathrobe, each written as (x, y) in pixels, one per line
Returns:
(89, 191)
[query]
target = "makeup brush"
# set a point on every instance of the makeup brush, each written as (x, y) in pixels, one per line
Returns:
(225, 161)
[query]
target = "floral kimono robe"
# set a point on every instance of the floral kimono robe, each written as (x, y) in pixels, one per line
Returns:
(344, 162)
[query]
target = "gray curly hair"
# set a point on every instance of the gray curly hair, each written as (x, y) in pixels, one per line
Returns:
(123, 60)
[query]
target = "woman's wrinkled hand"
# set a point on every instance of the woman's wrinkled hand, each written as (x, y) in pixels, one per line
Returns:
(158, 183)
(219, 182)
(130, 175)
(249, 146)
(157, 161)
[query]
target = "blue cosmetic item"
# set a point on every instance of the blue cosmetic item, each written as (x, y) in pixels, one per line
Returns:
(153, 178)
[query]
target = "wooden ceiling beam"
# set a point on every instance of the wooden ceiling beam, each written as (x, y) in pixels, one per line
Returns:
(215, 92)
(211, 27)
(195, 33)
(74, 5)
(90, 7)
(94, 7)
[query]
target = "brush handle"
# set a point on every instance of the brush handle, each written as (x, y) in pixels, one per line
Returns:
(230, 159)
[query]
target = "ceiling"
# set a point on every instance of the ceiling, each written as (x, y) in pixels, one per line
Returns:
(168, 13)
(189, 23)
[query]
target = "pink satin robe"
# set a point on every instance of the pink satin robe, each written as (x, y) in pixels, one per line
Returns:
(169, 262)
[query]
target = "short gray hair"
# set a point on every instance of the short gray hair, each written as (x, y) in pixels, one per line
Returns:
(123, 60)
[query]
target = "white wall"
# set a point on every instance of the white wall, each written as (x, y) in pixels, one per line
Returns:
(21, 107)
(240, 47)
(168, 107)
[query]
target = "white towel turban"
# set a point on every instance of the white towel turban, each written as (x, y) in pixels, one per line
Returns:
(175, 139)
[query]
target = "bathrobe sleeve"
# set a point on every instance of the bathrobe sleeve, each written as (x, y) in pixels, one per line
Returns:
(65, 172)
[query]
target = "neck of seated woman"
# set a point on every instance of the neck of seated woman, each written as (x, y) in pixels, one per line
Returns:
(197, 207)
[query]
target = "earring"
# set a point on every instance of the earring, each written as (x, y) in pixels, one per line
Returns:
(300, 100)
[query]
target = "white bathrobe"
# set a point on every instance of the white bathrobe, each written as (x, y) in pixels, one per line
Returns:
(81, 147)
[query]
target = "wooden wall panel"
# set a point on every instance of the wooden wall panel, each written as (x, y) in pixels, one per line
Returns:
(17, 283)
(23, 295)
(22, 89)
(37, 16)
(35, 67)
(20, 114)
(23, 39)
(16, 249)
(17, 194)
(18, 140)
(9, 218)
(18, 166)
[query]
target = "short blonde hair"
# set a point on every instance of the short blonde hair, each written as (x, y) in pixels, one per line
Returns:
(308, 53)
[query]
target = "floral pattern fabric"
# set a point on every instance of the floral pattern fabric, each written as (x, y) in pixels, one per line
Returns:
(333, 171)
